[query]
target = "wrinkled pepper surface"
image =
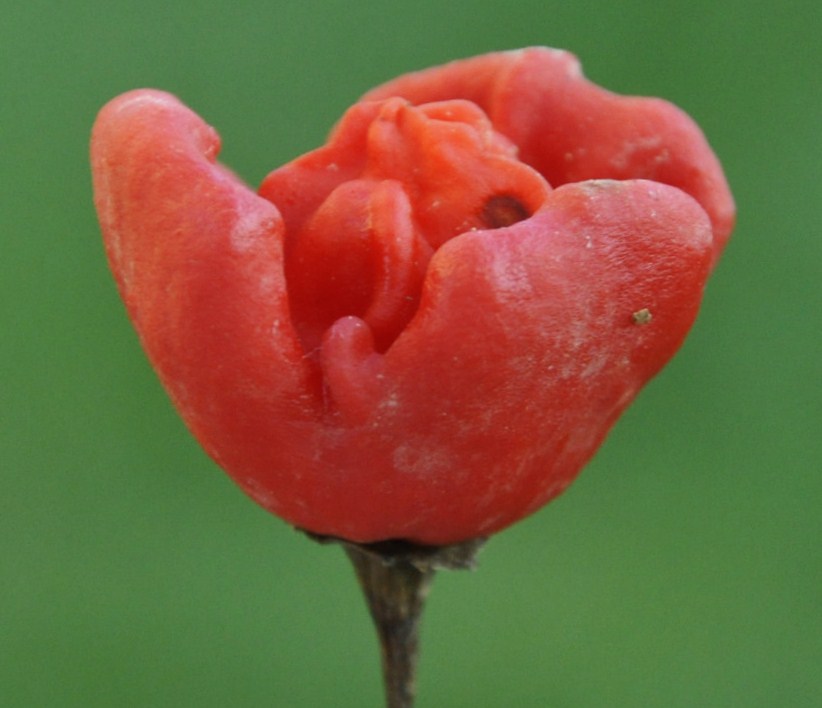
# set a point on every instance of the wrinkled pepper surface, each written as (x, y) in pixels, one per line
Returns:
(425, 328)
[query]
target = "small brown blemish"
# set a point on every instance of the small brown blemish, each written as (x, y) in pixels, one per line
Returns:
(503, 210)
(642, 317)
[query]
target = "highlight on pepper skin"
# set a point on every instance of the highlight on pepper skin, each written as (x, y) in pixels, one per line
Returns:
(425, 328)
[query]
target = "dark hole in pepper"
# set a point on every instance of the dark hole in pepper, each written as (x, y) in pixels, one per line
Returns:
(503, 210)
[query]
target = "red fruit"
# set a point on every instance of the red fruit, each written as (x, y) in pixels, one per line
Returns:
(424, 329)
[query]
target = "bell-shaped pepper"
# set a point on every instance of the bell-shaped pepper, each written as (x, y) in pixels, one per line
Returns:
(425, 328)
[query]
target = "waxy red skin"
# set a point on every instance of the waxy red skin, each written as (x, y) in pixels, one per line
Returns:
(571, 130)
(409, 333)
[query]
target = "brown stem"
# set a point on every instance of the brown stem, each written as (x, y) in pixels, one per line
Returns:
(395, 593)
(395, 577)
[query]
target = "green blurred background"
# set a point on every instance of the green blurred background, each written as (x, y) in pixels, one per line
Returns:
(682, 569)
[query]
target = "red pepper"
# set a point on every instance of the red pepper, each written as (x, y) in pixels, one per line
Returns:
(425, 328)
